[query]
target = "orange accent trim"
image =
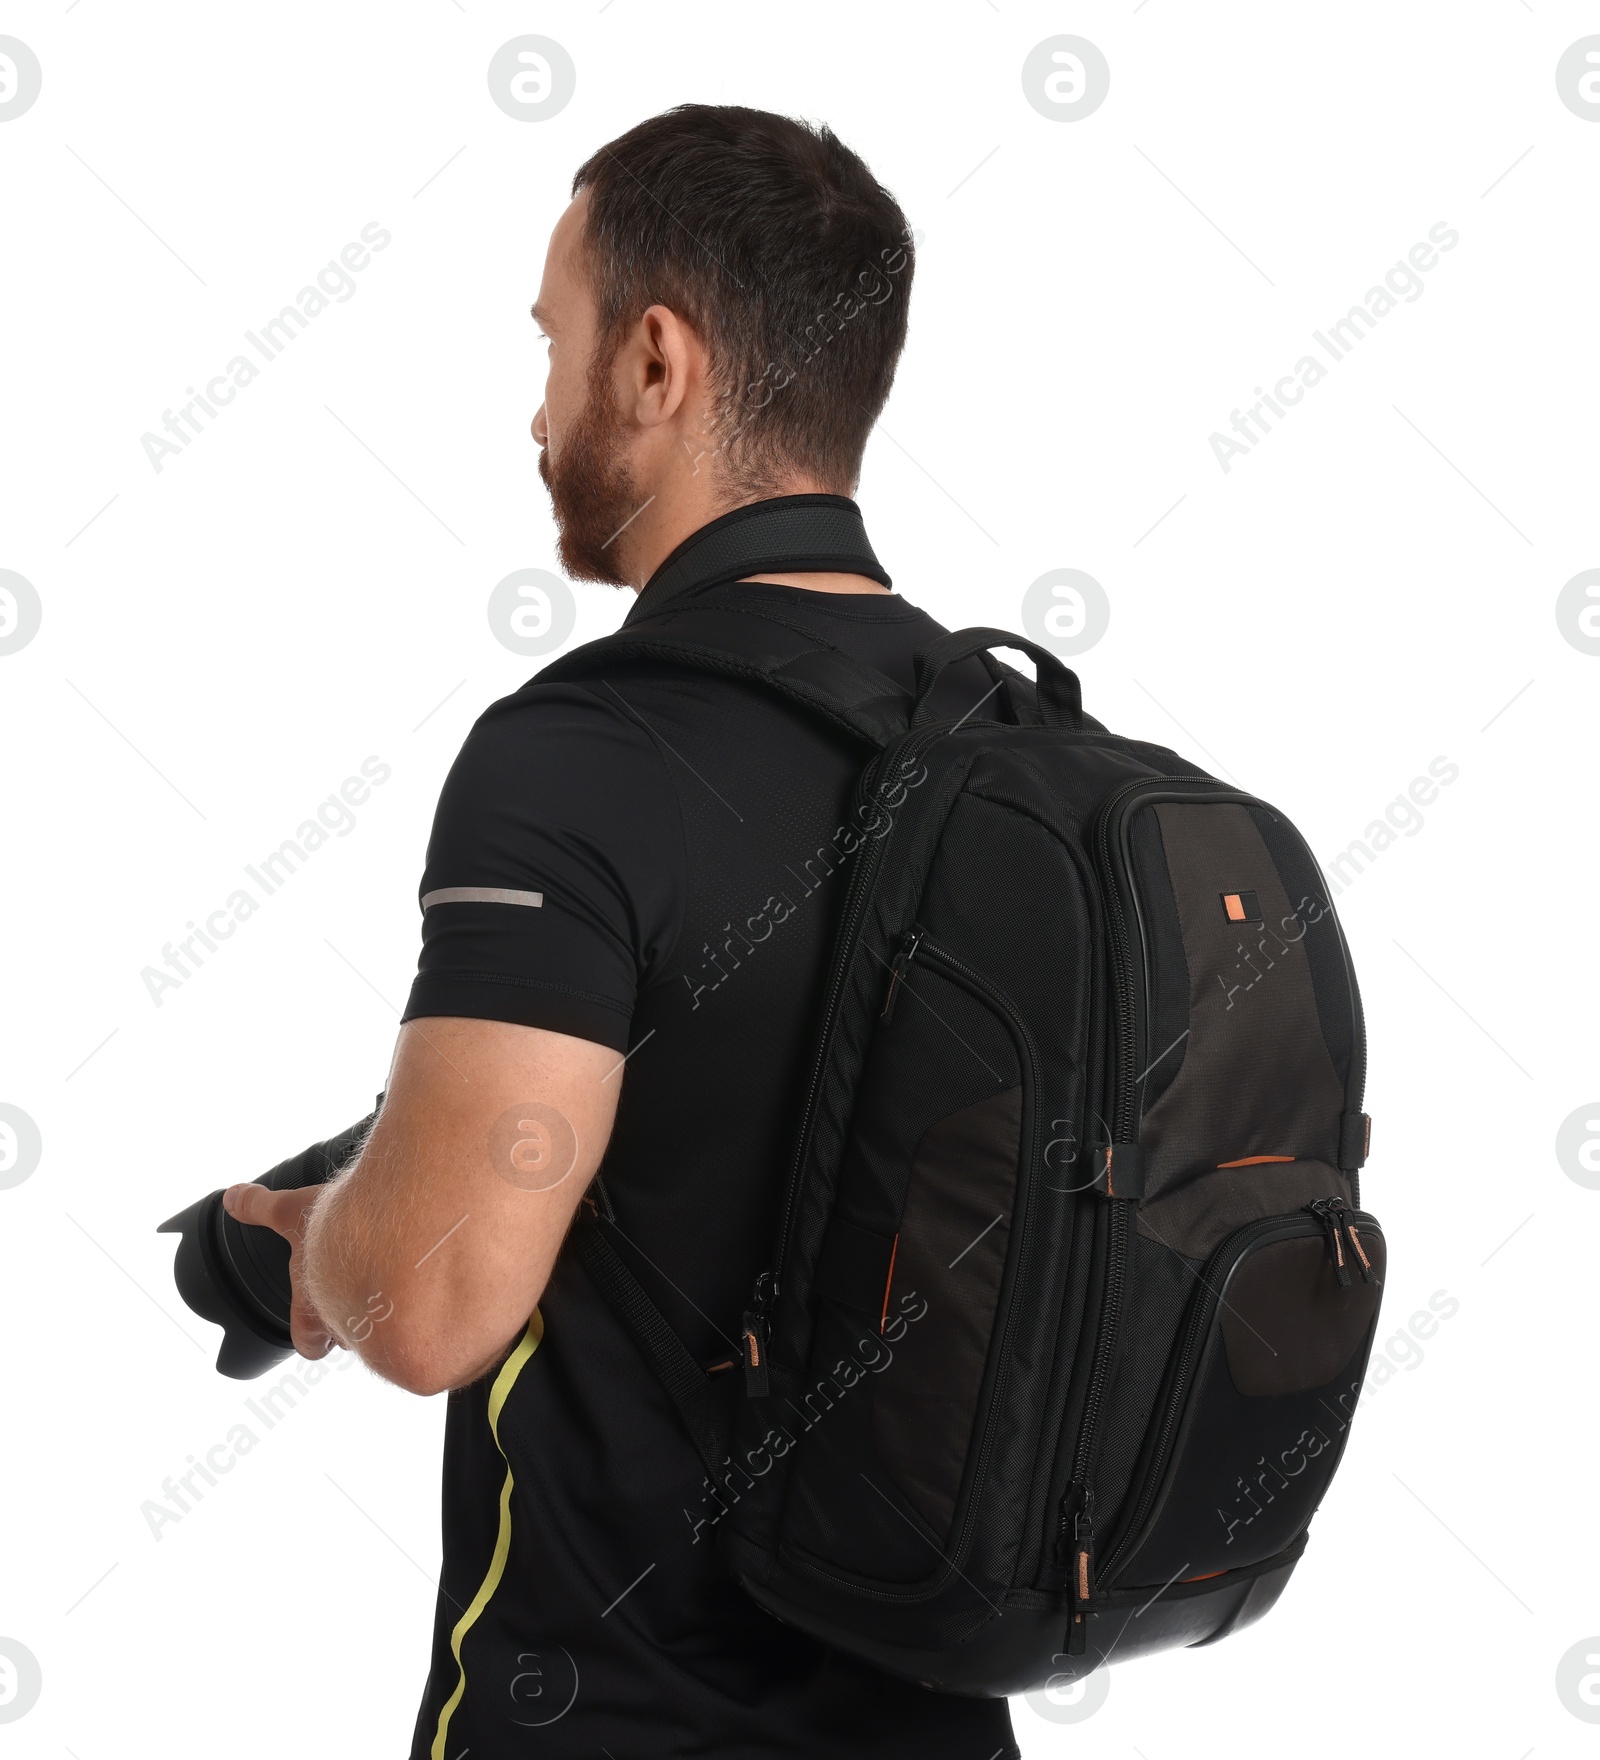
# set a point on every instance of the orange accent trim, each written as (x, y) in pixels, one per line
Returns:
(1234, 906)
(1251, 1161)
(888, 1284)
(1109, 1192)
(1083, 1576)
(1355, 1241)
(1205, 1576)
(755, 1348)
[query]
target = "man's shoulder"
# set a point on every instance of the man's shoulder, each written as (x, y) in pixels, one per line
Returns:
(635, 700)
(631, 732)
(570, 752)
(588, 712)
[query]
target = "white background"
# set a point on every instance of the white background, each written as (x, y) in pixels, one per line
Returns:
(1366, 591)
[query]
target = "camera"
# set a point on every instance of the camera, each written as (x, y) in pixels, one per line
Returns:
(236, 1275)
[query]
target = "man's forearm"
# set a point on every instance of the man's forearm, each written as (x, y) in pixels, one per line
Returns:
(339, 1253)
(358, 1225)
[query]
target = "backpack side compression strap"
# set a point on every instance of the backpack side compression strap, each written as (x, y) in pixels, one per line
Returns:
(712, 638)
(683, 1378)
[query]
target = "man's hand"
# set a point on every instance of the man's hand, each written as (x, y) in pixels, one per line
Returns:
(286, 1212)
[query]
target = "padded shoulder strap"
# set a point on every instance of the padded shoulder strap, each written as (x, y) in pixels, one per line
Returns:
(714, 637)
(685, 1381)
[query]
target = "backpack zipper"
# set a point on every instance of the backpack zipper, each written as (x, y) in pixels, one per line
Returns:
(1075, 1522)
(1123, 1109)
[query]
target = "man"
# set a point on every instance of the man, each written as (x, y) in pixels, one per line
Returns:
(630, 893)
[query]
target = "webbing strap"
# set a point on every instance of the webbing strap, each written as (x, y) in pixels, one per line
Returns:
(813, 533)
(683, 1378)
(1355, 1133)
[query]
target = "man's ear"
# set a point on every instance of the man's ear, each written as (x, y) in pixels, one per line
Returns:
(664, 367)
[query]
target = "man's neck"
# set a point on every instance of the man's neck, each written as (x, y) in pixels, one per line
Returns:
(818, 583)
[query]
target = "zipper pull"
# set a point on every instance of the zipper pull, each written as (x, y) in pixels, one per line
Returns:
(1344, 1219)
(907, 953)
(754, 1353)
(753, 1345)
(1083, 1551)
(1324, 1210)
(1075, 1540)
(1368, 1275)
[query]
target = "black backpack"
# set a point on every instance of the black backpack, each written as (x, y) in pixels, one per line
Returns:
(1057, 1349)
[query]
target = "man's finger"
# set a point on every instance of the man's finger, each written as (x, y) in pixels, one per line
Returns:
(264, 1209)
(312, 1344)
(247, 1203)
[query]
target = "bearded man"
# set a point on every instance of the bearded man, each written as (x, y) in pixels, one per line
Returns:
(629, 896)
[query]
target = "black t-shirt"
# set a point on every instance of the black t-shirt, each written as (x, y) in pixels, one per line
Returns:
(683, 836)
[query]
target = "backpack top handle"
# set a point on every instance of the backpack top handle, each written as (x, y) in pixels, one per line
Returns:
(1060, 696)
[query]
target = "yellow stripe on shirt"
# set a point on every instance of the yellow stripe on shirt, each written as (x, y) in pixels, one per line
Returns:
(498, 1394)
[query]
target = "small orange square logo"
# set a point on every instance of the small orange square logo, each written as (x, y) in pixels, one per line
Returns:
(1241, 907)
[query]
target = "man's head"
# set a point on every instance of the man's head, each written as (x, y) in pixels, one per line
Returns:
(726, 302)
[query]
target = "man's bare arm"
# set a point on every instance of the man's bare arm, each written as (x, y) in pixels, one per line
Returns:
(429, 1252)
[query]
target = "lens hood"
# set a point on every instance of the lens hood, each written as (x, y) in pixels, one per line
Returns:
(236, 1276)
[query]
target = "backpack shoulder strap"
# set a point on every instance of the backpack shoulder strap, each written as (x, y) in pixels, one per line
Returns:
(712, 636)
(685, 1381)
(714, 632)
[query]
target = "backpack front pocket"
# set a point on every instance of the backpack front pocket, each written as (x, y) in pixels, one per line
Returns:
(1258, 1397)
(911, 1281)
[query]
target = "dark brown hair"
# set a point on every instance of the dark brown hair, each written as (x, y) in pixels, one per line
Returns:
(787, 256)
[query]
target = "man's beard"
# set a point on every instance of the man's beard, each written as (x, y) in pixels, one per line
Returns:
(592, 492)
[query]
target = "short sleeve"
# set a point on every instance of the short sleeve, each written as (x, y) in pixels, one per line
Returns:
(554, 879)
